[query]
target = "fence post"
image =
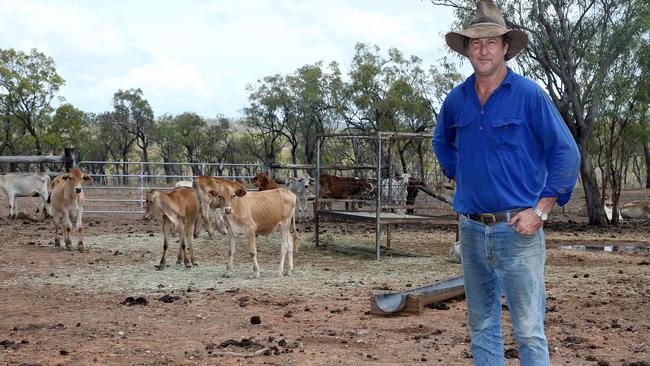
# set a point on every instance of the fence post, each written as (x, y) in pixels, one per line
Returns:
(71, 154)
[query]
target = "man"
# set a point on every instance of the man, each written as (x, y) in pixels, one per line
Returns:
(512, 156)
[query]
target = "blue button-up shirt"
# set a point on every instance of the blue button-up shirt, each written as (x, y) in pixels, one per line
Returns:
(509, 153)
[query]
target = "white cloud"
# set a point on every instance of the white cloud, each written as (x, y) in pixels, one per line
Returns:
(199, 55)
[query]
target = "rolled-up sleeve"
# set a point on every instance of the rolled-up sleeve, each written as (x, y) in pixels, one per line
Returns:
(560, 150)
(444, 143)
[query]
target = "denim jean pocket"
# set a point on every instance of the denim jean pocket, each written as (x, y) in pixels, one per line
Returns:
(523, 236)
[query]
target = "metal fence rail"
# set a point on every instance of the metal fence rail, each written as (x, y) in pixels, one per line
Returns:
(126, 183)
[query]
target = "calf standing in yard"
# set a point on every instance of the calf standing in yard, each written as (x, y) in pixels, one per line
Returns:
(25, 185)
(66, 200)
(257, 213)
(179, 208)
(299, 187)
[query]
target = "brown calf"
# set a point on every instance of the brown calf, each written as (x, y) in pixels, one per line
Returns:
(332, 186)
(179, 208)
(67, 199)
(264, 182)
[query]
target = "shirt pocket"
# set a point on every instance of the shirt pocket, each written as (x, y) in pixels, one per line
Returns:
(462, 133)
(507, 131)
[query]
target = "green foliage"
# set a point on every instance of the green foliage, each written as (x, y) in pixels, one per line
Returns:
(28, 85)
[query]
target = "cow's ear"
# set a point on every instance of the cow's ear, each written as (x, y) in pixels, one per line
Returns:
(87, 178)
(240, 192)
(65, 177)
(212, 193)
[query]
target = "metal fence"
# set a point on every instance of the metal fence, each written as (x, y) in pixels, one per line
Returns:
(120, 187)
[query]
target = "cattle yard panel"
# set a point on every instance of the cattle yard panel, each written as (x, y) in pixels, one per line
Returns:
(373, 156)
(120, 187)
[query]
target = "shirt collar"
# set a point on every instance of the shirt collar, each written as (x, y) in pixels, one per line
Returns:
(468, 84)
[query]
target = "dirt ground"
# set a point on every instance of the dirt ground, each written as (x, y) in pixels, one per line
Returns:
(110, 306)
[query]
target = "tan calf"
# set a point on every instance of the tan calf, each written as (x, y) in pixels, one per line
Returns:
(179, 208)
(67, 199)
(257, 213)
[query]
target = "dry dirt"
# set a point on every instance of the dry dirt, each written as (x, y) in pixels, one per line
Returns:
(105, 306)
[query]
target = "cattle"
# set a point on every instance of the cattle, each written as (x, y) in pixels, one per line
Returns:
(25, 185)
(300, 187)
(445, 191)
(455, 253)
(608, 207)
(183, 183)
(180, 208)
(636, 210)
(264, 182)
(67, 199)
(257, 213)
(203, 184)
(394, 190)
(412, 189)
(332, 186)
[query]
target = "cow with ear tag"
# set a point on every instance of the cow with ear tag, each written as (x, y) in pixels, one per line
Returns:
(66, 200)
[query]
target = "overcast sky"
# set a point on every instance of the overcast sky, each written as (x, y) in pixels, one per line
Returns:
(199, 55)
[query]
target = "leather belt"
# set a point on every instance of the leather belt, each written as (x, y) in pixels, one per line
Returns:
(493, 218)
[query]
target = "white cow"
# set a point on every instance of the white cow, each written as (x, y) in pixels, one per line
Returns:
(454, 253)
(636, 210)
(300, 187)
(395, 190)
(25, 185)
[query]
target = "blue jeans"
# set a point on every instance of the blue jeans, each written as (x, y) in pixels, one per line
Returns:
(494, 258)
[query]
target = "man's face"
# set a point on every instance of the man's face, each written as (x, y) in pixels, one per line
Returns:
(486, 55)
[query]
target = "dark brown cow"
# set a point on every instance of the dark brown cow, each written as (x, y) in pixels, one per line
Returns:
(414, 185)
(264, 182)
(332, 186)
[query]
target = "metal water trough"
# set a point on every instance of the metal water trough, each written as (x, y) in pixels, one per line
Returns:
(393, 302)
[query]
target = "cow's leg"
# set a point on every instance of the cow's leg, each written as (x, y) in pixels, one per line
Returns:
(80, 230)
(231, 254)
(12, 207)
(45, 207)
(165, 243)
(252, 251)
(205, 211)
(283, 248)
(184, 232)
(189, 243)
(56, 218)
(67, 227)
(289, 253)
(197, 226)
(181, 258)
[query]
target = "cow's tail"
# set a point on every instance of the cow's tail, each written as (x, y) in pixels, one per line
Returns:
(296, 240)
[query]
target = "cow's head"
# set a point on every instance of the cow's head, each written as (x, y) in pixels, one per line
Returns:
(223, 195)
(260, 179)
(76, 178)
(152, 204)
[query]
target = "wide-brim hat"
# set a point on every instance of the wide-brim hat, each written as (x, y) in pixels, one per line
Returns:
(488, 22)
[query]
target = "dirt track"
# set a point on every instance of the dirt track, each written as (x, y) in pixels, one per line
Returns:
(67, 307)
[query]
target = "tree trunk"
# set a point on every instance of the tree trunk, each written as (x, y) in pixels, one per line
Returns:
(592, 195)
(646, 153)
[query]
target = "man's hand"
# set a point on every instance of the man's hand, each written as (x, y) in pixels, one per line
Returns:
(526, 222)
